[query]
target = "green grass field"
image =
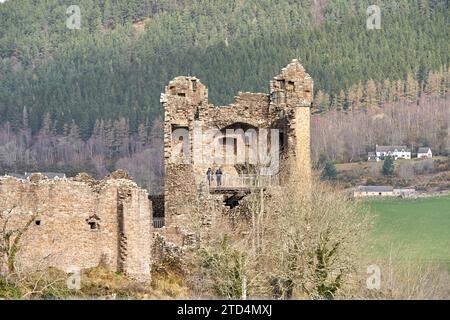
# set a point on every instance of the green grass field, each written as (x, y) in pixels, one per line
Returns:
(411, 229)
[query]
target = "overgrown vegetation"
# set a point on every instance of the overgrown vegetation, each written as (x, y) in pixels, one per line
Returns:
(314, 245)
(95, 283)
(294, 247)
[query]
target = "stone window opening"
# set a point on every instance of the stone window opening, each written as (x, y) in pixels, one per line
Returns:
(180, 143)
(37, 222)
(197, 113)
(234, 141)
(93, 225)
(282, 84)
(194, 85)
(181, 94)
(276, 97)
(229, 141)
(291, 85)
(93, 222)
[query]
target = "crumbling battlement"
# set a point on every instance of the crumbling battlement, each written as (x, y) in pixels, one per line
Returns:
(79, 223)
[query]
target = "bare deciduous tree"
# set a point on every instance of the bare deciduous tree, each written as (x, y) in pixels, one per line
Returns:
(10, 238)
(285, 242)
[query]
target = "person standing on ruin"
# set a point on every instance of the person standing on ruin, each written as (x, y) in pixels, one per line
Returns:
(209, 176)
(219, 177)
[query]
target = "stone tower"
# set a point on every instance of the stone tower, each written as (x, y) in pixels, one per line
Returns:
(292, 90)
(284, 111)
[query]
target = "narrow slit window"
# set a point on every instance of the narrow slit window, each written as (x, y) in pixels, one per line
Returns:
(275, 97)
(282, 141)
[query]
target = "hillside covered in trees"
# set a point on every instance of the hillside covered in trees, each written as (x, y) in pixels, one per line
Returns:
(88, 98)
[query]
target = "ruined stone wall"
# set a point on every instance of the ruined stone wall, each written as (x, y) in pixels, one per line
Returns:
(248, 108)
(79, 224)
(181, 194)
(135, 236)
(303, 146)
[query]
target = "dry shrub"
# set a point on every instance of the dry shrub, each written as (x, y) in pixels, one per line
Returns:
(167, 284)
(98, 283)
(293, 242)
(316, 239)
(408, 279)
(218, 266)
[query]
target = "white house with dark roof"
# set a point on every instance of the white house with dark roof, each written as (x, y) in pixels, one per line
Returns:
(383, 191)
(374, 191)
(424, 152)
(396, 152)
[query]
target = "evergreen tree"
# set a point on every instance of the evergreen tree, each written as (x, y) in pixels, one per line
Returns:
(329, 171)
(388, 166)
(106, 71)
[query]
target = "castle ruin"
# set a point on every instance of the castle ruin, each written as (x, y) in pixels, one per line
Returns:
(83, 223)
(286, 108)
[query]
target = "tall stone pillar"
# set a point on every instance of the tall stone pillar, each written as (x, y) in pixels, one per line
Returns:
(291, 99)
(303, 144)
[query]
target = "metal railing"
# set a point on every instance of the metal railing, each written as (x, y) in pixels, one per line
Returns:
(158, 222)
(244, 181)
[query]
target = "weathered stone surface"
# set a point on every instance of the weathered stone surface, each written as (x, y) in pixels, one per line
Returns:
(119, 174)
(80, 223)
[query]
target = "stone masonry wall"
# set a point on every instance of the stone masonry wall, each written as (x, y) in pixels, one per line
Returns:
(79, 224)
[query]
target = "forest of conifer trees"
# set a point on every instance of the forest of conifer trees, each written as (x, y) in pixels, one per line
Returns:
(88, 99)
